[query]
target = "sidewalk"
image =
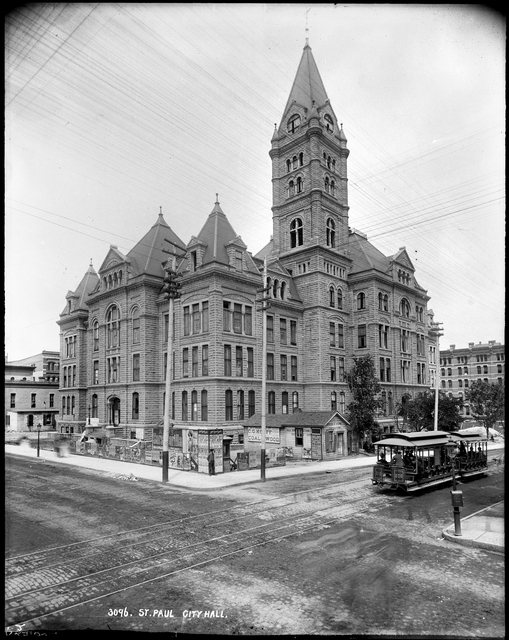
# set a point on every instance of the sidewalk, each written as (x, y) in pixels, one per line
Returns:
(484, 529)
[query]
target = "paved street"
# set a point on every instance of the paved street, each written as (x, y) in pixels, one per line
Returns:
(317, 554)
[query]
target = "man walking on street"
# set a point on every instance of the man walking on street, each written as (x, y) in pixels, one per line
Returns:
(210, 458)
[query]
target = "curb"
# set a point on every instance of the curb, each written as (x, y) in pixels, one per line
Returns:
(468, 542)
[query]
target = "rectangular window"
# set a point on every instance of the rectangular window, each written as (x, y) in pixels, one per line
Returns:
(205, 360)
(194, 365)
(341, 337)
(237, 318)
(271, 404)
(405, 371)
(282, 330)
(136, 367)
(184, 406)
(13, 400)
(238, 361)
(332, 333)
(194, 406)
(341, 369)
(96, 372)
(250, 362)
(172, 405)
(185, 362)
(404, 340)
(299, 437)
(361, 336)
(226, 316)
(204, 317)
(270, 366)
(33, 399)
(240, 405)
(204, 406)
(293, 332)
(284, 367)
(136, 406)
(294, 367)
(51, 400)
(238, 260)
(196, 318)
(383, 335)
(187, 322)
(382, 369)
(136, 329)
(228, 405)
(113, 364)
(333, 369)
(250, 403)
(248, 321)
(284, 402)
(227, 360)
(270, 328)
(95, 406)
(387, 370)
(96, 336)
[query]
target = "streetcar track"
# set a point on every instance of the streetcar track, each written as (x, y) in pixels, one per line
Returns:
(33, 604)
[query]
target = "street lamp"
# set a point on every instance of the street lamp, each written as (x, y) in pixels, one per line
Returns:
(456, 496)
(38, 438)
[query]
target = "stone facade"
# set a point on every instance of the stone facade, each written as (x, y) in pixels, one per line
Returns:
(333, 297)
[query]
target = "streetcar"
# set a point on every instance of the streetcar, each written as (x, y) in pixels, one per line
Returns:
(413, 461)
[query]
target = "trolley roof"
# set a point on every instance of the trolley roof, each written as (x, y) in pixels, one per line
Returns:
(427, 439)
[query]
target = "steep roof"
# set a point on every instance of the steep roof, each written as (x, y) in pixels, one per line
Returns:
(148, 255)
(366, 256)
(88, 283)
(216, 234)
(307, 86)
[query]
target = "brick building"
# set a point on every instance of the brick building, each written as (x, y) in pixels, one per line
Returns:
(31, 392)
(334, 297)
(459, 368)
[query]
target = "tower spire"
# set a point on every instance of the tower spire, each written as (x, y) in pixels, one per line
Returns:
(307, 29)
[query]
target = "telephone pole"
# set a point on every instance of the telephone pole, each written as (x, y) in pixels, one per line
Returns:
(436, 330)
(265, 305)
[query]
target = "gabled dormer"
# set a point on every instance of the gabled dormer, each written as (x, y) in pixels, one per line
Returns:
(402, 268)
(113, 272)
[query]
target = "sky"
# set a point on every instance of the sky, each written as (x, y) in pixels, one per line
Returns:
(115, 112)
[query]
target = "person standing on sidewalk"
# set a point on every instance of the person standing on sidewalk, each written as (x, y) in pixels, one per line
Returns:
(212, 463)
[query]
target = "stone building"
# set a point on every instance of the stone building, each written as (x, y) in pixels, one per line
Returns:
(333, 297)
(460, 367)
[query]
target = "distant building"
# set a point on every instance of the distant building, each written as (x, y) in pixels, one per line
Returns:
(31, 392)
(459, 368)
(333, 297)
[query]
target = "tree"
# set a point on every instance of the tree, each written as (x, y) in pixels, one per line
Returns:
(486, 403)
(420, 411)
(365, 387)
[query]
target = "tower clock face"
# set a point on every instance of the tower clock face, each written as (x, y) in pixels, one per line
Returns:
(328, 122)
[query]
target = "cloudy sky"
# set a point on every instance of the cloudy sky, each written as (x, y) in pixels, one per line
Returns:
(116, 110)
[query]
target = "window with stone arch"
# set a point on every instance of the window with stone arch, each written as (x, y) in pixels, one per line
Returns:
(361, 301)
(331, 233)
(327, 184)
(300, 185)
(296, 233)
(291, 188)
(293, 123)
(95, 335)
(332, 296)
(113, 327)
(332, 188)
(283, 289)
(275, 288)
(340, 298)
(404, 308)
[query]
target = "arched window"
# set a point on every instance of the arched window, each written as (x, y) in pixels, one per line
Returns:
(288, 165)
(333, 401)
(340, 298)
(301, 159)
(332, 188)
(450, 384)
(479, 370)
(275, 287)
(332, 296)
(404, 308)
(328, 162)
(194, 405)
(300, 184)
(291, 188)
(334, 165)
(136, 326)
(295, 401)
(136, 406)
(294, 162)
(204, 406)
(361, 301)
(328, 122)
(95, 406)
(293, 123)
(296, 233)
(284, 402)
(485, 369)
(283, 290)
(331, 233)
(342, 402)
(380, 301)
(465, 370)
(326, 184)
(113, 327)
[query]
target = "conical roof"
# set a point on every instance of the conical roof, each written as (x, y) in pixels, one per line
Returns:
(307, 87)
(148, 255)
(88, 283)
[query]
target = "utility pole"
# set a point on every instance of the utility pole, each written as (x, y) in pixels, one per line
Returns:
(171, 290)
(436, 329)
(265, 305)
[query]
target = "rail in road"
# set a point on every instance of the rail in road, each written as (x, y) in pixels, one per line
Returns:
(46, 583)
